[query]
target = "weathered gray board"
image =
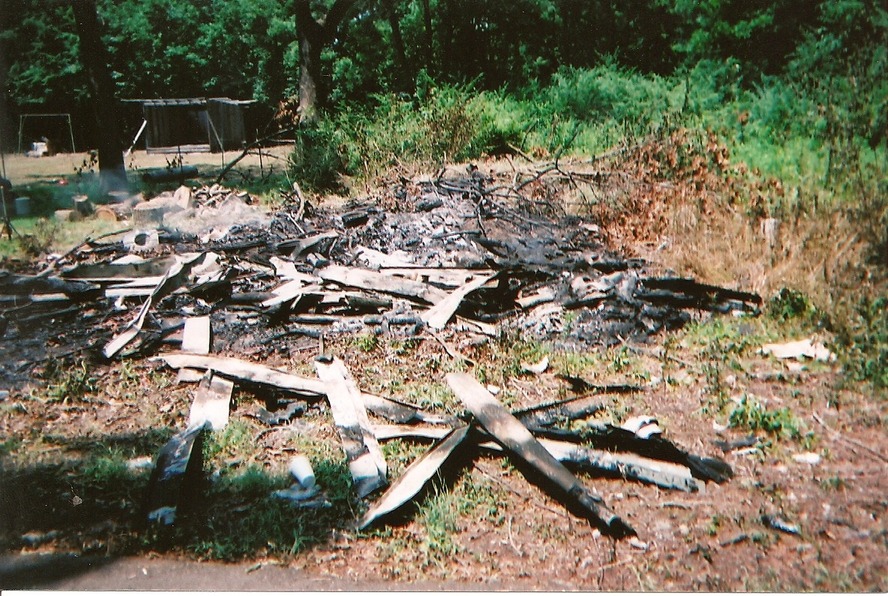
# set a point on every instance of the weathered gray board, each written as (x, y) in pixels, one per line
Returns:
(514, 437)
(415, 476)
(365, 460)
(212, 401)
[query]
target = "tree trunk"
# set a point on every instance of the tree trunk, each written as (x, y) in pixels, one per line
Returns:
(403, 76)
(429, 35)
(7, 132)
(112, 172)
(313, 35)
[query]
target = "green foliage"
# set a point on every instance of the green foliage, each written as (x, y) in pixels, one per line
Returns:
(235, 441)
(790, 304)
(445, 123)
(751, 415)
(68, 381)
(863, 342)
(316, 161)
(439, 515)
(366, 342)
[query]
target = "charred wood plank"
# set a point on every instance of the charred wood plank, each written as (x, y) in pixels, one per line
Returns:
(14, 284)
(438, 316)
(176, 470)
(610, 437)
(517, 439)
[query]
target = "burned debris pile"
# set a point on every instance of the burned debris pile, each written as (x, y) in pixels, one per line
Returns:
(212, 287)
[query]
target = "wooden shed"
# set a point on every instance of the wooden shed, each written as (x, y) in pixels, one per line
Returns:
(195, 124)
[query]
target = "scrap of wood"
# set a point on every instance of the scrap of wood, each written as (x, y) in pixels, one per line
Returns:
(108, 272)
(196, 335)
(175, 277)
(11, 283)
(438, 316)
(212, 401)
(168, 479)
(415, 476)
(400, 412)
(196, 339)
(568, 409)
(365, 460)
(628, 465)
(20, 299)
(366, 279)
(246, 371)
(514, 436)
(302, 245)
(478, 326)
(606, 436)
(542, 296)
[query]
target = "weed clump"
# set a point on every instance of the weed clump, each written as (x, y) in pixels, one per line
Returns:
(751, 415)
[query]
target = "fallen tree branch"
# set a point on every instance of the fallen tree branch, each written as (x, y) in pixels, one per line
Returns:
(840, 437)
(246, 151)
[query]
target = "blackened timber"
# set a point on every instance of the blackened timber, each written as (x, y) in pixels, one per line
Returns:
(705, 293)
(11, 283)
(514, 436)
(175, 471)
(606, 436)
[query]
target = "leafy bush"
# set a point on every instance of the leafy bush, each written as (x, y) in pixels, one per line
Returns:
(790, 304)
(316, 161)
(610, 93)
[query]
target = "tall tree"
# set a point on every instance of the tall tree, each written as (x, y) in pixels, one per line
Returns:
(313, 35)
(104, 105)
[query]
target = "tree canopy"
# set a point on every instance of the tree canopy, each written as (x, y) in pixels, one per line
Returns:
(353, 49)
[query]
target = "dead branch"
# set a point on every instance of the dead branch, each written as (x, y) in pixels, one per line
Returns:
(247, 149)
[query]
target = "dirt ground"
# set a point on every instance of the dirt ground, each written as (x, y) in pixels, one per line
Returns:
(781, 523)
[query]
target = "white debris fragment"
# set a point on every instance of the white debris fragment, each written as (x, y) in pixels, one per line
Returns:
(636, 543)
(805, 348)
(644, 427)
(301, 470)
(538, 368)
(807, 458)
(140, 463)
